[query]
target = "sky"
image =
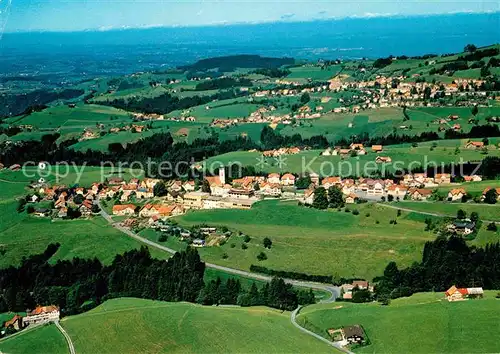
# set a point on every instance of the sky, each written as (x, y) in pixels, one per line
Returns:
(77, 15)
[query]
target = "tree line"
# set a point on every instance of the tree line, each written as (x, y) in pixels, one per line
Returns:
(446, 261)
(79, 284)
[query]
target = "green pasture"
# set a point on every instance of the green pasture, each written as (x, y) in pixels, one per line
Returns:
(134, 325)
(422, 323)
(315, 242)
(43, 339)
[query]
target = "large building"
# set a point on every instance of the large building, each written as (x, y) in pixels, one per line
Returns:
(42, 314)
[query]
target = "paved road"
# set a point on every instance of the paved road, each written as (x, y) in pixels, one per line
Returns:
(67, 337)
(293, 319)
(333, 290)
(428, 213)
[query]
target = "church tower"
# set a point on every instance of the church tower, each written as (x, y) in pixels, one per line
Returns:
(222, 175)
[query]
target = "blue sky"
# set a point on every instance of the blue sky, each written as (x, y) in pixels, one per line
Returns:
(74, 15)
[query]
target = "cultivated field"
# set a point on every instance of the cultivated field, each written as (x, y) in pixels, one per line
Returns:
(134, 325)
(422, 323)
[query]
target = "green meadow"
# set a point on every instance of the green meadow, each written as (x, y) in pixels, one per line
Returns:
(82, 115)
(44, 339)
(422, 323)
(134, 325)
(22, 235)
(315, 242)
(485, 211)
(312, 72)
(402, 155)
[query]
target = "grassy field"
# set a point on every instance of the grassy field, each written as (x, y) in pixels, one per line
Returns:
(45, 339)
(384, 121)
(485, 211)
(422, 323)
(314, 73)
(402, 155)
(15, 181)
(82, 115)
(316, 242)
(133, 325)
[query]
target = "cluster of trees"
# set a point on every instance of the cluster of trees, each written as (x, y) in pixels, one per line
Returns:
(166, 103)
(292, 275)
(477, 131)
(273, 72)
(382, 62)
(74, 284)
(223, 83)
(390, 139)
(270, 139)
(12, 104)
(446, 261)
(71, 283)
(232, 62)
(332, 199)
(277, 294)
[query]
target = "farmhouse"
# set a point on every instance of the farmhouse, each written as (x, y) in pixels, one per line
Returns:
(308, 196)
(125, 209)
(442, 178)
(288, 179)
(274, 178)
(473, 178)
(351, 198)
(456, 194)
(419, 194)
(353, 334)
(474, 145)
(42, 314)
(114, 181)
(269, 189)
(16, 322)
(397, 191)
(464, 227)
(487, 190)
(328, 182)
(459, 294)
(383, 159)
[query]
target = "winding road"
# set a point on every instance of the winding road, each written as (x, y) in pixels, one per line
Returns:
(293, 318)
(333, 290)
(67, 337)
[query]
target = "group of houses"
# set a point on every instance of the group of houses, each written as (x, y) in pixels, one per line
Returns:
(354, 148)
(64, 198)
(39, 315)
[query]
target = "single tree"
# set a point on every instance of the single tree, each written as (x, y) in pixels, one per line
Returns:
(335, 197)
(320, 199)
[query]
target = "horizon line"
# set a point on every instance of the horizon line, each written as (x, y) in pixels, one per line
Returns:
(366, 16)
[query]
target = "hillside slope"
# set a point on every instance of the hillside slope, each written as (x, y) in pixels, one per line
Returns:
(422, 323)
(133, 325)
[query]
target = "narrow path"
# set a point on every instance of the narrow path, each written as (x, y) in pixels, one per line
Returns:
(293, 319)
(428, 213)
(67, 337)
(333, 290)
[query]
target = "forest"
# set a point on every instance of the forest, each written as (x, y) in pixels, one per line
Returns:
(446, 261)
(80, 284)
